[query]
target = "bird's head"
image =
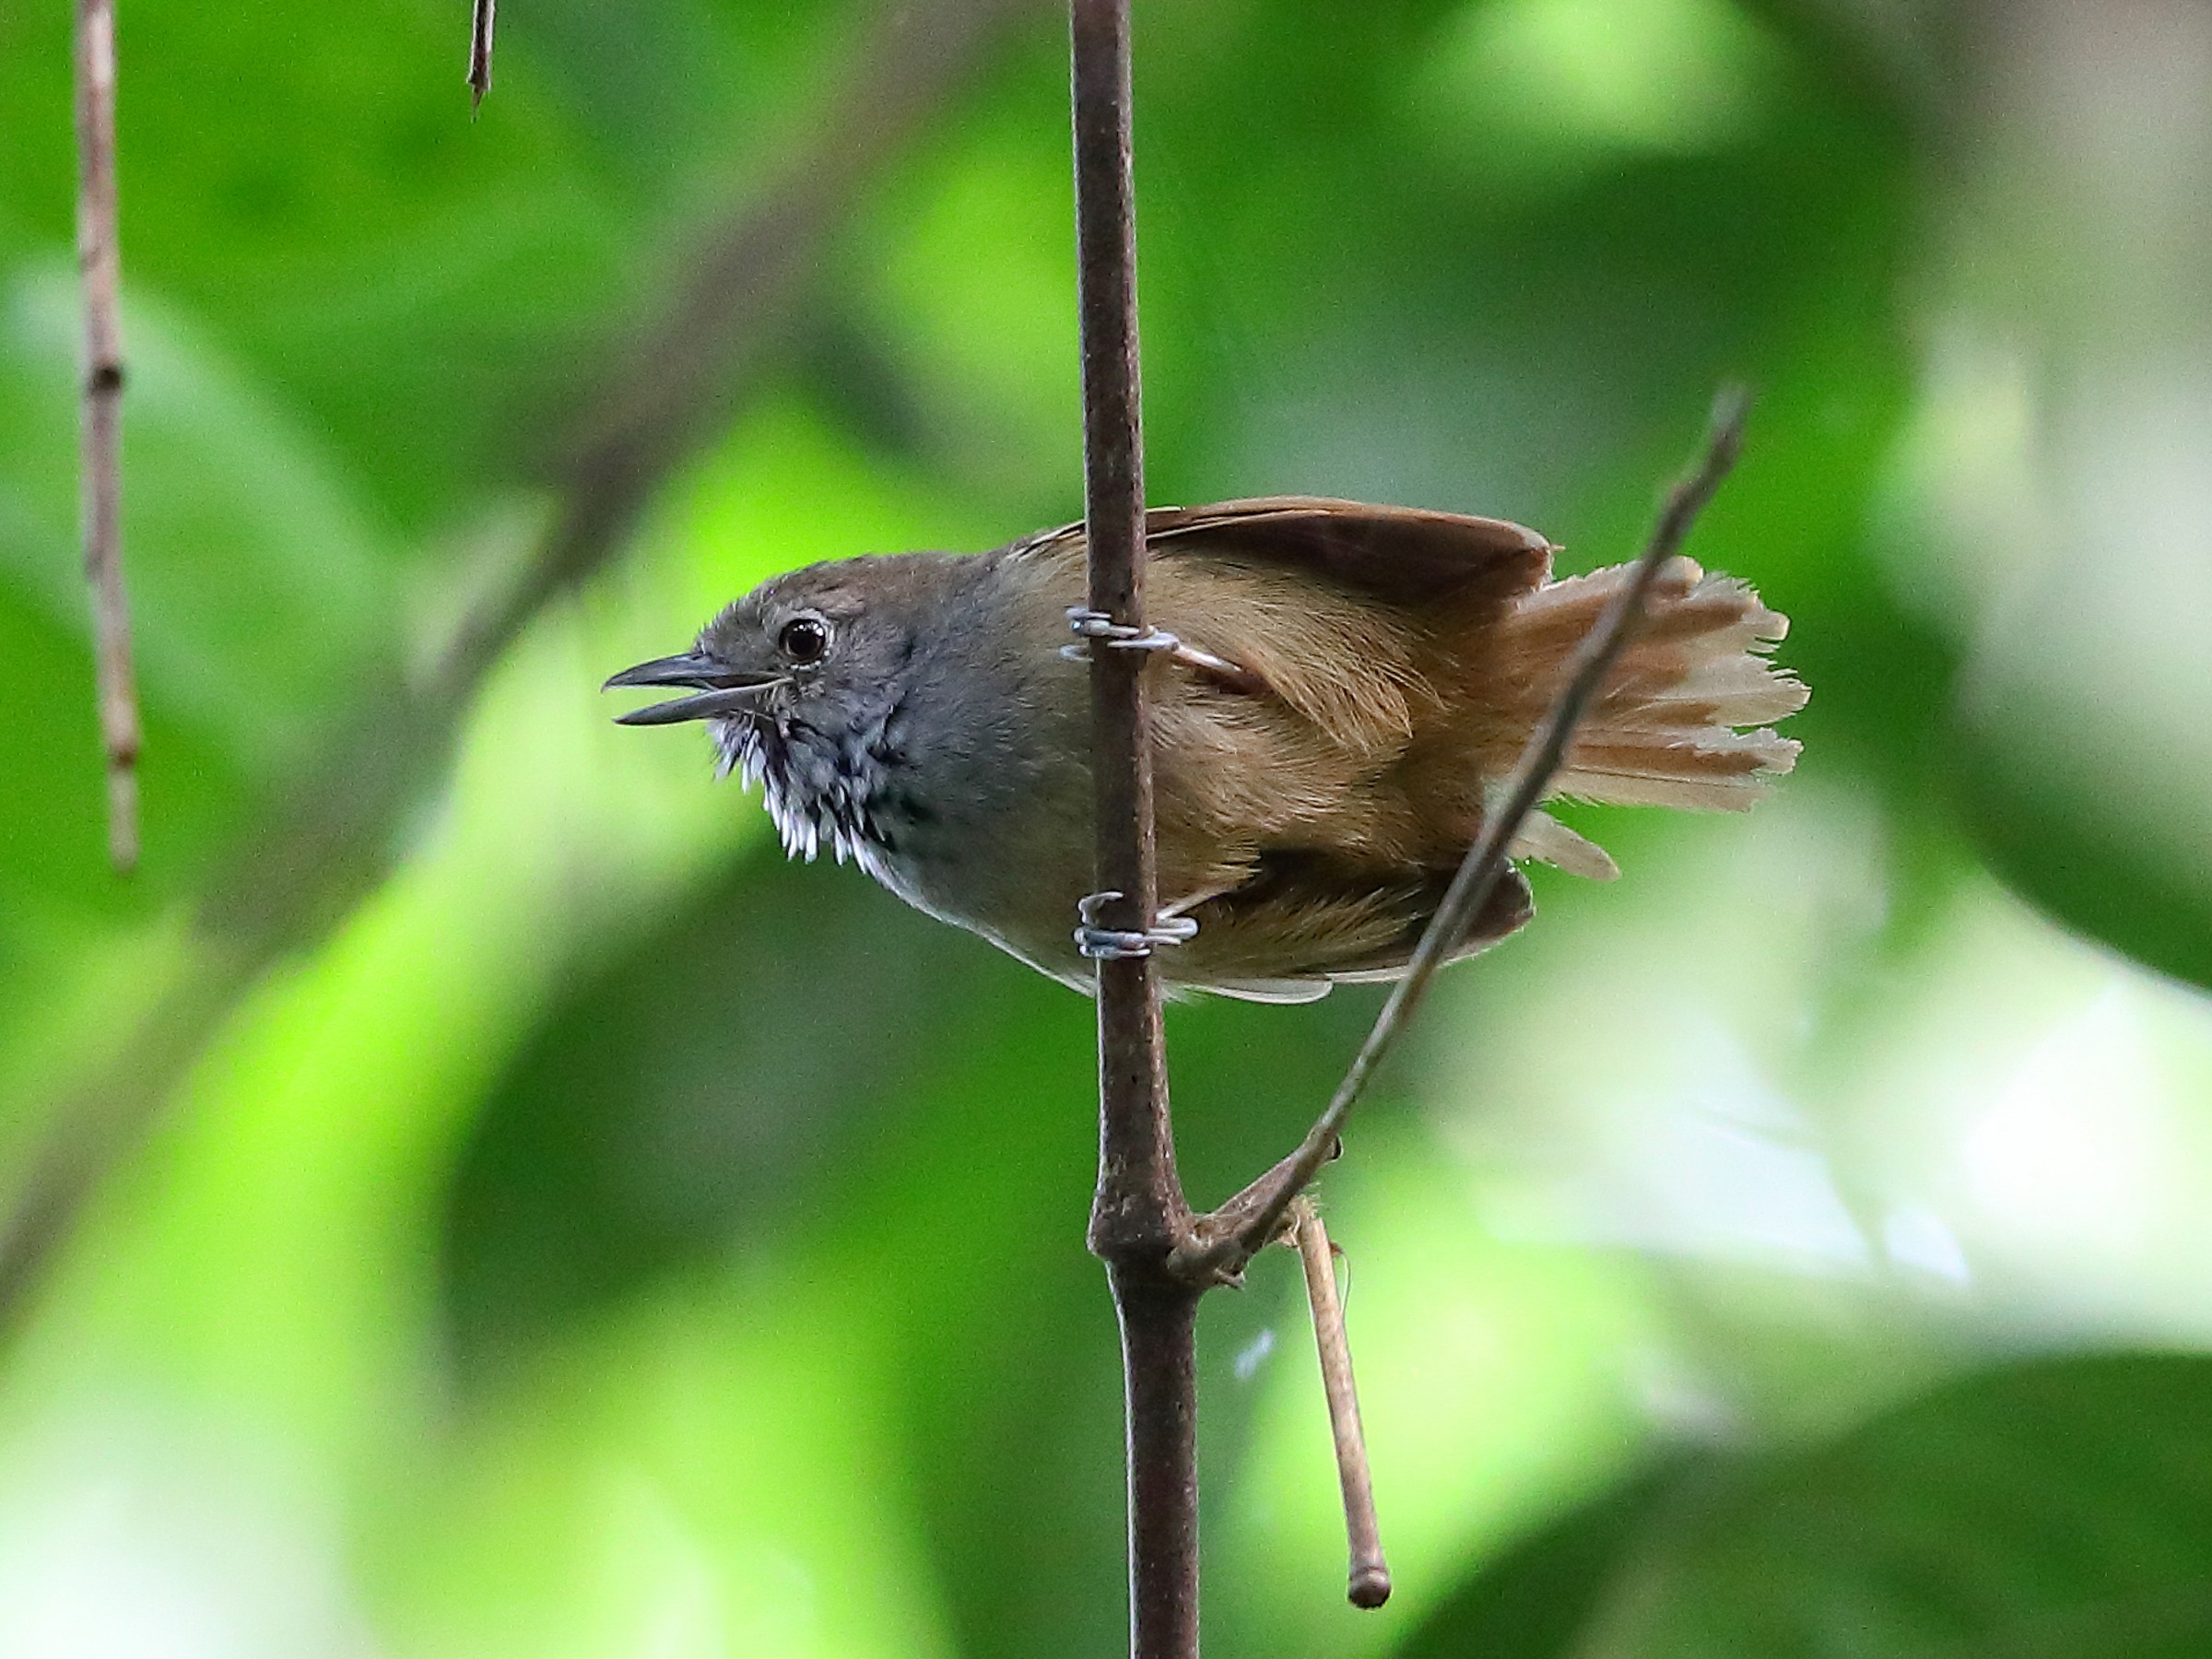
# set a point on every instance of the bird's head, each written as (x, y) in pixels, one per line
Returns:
(799, 679)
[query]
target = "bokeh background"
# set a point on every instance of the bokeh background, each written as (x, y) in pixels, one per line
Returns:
(524, 1216)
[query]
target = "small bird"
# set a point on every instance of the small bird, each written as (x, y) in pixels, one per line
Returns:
(1347, 689)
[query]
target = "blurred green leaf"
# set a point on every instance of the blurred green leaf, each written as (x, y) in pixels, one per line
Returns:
(1535, 1599)
(2090, 869)
(258, 648)
(2046, 1511)
(261, 593)
(684, 1099)
(434, 293)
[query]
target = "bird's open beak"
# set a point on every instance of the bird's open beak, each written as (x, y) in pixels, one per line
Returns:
(722, 691)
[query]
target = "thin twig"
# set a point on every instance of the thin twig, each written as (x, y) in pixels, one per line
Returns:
(1139, 1216)
(1224, 1241)
(99, 262)
(481, 22)
(329, 837)
(1369, 1582)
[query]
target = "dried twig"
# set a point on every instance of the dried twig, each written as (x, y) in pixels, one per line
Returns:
(100, 260)
(482, 19)
(1368, 1583)
(329, 838)
(1224, 1241)
(1139, 1214)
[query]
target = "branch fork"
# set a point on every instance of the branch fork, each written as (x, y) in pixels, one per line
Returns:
(1220, 1242)
(1161, 1257)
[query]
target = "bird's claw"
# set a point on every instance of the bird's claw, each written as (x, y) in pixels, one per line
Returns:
(1113, 945)
(1118, 636)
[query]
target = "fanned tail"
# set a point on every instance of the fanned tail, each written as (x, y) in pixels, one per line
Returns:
(1668, 730)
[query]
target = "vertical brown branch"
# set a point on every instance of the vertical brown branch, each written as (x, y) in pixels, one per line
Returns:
(1140, 1214)
(482, 19)
(100, 264)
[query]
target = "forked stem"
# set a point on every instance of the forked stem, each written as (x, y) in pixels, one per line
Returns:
(1222, 1241)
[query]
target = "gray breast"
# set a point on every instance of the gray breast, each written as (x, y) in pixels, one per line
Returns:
(984, 820)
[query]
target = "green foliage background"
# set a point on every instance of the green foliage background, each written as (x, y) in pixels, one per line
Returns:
(612, 1241)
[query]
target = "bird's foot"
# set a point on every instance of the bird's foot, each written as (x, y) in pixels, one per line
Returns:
(1118, 636)
(1113, 945)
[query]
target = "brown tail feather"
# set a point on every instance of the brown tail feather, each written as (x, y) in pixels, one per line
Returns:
(1667, 730)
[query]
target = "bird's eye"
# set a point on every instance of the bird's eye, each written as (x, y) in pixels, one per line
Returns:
(804, 638)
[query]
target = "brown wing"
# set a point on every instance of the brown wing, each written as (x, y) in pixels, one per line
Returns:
(1401, 593)
(1404, 556)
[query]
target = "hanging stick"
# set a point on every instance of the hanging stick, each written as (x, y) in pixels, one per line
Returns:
(480, 24)
(99, 266)
(1370, 1580)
